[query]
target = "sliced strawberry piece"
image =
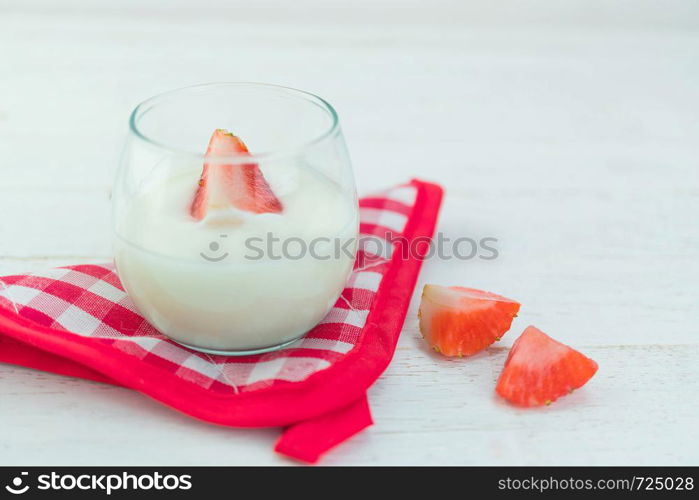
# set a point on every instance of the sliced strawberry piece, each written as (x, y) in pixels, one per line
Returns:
(459, 321)
(239, 185)
(540, 369)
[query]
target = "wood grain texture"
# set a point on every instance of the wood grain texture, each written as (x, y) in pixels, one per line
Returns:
(569, 135)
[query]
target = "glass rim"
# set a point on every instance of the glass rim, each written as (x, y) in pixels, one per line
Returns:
(150, 103)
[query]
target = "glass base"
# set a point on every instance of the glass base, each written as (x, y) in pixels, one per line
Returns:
(239, 352)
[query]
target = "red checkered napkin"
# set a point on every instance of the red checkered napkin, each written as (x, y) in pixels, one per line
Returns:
(78, 320)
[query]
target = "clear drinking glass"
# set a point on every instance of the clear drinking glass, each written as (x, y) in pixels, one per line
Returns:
(248, 276)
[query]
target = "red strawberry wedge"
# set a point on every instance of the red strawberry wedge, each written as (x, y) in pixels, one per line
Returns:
(540, 370)
(224, 185)
(459, 321)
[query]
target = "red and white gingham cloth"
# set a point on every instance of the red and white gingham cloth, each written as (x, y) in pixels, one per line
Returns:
(89, 301)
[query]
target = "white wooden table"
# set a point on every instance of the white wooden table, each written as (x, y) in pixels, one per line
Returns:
(569, 134)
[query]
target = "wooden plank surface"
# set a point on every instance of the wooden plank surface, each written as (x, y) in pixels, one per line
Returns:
(569, 136)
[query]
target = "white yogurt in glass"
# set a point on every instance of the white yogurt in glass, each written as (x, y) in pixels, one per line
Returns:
(237, 281)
